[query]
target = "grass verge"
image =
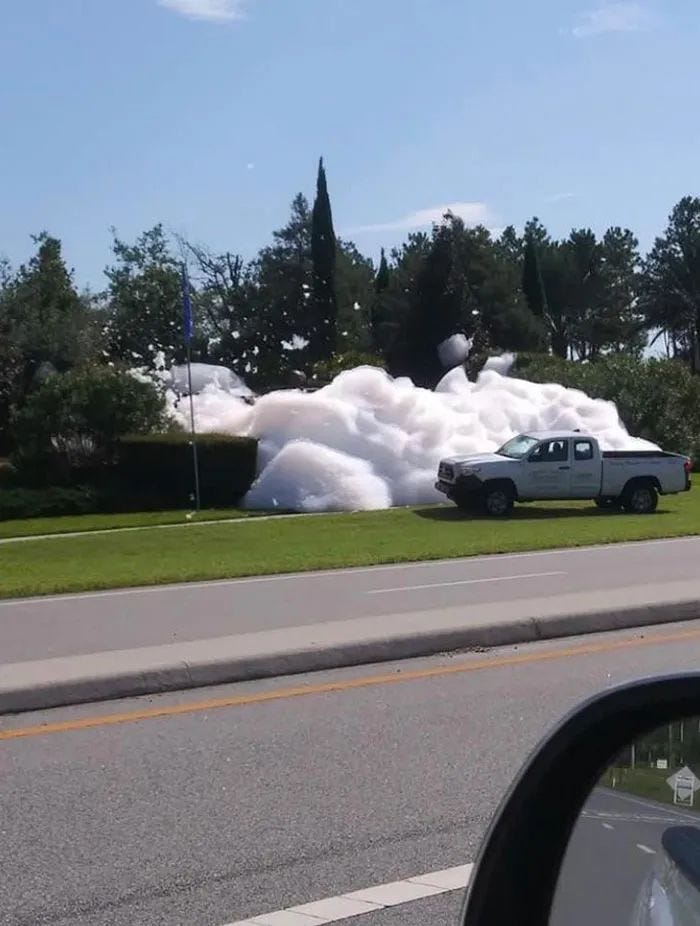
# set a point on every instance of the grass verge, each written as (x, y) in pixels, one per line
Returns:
(647, 783)
(30, 527)
(226, 550)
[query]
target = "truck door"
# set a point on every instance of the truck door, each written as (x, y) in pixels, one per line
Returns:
(547, 471)
(585, 470)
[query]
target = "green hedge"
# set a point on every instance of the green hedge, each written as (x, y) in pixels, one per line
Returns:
(150, 473)
(158, 468)
(51, 502)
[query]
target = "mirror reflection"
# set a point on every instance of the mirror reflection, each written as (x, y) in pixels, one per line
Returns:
(634, 855)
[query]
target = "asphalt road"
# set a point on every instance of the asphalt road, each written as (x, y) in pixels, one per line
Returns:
(76, 624)
(365, 776)
(611, 853)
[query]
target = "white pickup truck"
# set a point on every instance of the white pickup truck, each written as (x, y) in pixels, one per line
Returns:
(558, 465)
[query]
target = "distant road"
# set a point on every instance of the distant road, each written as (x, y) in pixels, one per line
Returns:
(124, 619)
(612, 851)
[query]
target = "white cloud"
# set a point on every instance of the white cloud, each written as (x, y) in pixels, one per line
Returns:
(218, 11)
(560, 197)
(612, 17)
(470, 213)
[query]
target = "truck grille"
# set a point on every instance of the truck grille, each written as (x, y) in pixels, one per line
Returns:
(446, 472)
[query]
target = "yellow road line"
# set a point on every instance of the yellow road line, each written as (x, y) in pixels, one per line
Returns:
(369, 681)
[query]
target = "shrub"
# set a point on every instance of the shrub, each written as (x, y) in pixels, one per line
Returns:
(51, 502)
(657, 399)
(79, 415)
(159, 469)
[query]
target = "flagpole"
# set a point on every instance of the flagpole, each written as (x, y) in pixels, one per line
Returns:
(195, 461)
(188, 327)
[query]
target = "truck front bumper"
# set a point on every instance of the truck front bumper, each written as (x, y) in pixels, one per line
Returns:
(447, 488)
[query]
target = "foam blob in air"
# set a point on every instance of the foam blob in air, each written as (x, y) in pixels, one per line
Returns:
(368, 441)
(204, 375)
(454, 350)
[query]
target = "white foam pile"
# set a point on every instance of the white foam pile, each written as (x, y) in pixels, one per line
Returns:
(369, 441)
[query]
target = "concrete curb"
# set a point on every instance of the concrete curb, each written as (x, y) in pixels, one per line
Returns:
(48, 683)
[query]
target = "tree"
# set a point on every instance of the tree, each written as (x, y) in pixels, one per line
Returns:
(80, 414)
(671, 282)
(381, 281)
(281, 288)
(495, 311)
(657, 399)
(435, 311)
(583, 260)
(144, 302)
(45, 325)
(224, 306)
(533, 286)
(354, 283)
(510, 245)
(377, 316)
(323, 304)
(619, 326)
(392, 304)
(10, 358)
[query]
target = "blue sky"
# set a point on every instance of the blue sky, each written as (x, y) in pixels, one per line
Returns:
(208, 115)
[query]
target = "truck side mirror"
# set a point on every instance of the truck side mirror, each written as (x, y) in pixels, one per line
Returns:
(560, 848)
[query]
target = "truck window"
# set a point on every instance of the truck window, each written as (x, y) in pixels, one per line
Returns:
(583, 450)
(554, 451)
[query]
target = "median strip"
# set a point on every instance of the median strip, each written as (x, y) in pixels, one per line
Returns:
(103, 676)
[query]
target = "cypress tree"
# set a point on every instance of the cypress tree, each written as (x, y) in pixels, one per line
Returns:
(533, 285)
(381, 281)
(324, 305)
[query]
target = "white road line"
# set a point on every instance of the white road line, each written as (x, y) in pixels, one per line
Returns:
(178, 587)
(412, 588)
(653, 805)
(607, 826)
(646, 849)
(357, 903)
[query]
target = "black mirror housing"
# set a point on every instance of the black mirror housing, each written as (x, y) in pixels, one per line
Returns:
(516, 871)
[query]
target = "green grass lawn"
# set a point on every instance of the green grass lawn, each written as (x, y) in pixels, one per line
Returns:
(29, 527)
(649, 783)
(69, 564)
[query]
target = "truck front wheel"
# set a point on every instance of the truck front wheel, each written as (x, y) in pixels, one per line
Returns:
(640, 499)
(467, 502)
(497, 503)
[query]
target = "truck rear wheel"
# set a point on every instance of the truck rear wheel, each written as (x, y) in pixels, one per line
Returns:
(640, 499)
(497, 502)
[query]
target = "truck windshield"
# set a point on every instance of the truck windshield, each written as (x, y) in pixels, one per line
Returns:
(518, 446)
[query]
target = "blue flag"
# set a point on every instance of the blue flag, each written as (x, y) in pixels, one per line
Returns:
(187, 323)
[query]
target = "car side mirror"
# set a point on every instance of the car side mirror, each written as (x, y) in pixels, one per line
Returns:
(602, 824)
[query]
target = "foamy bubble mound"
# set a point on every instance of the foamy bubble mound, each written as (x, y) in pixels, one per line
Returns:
(369, 441)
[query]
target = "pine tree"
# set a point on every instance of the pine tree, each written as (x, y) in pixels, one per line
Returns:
(381, 281)
(324, 305)
(435, 313)
(533, 285)
(378, 317)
